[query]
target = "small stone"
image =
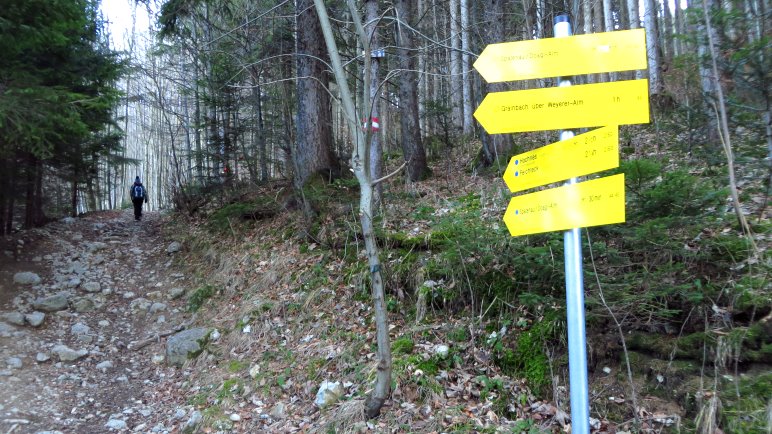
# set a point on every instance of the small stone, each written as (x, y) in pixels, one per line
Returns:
(80, 329)
(42, 357)
(103, 323)
(174, 247)
(15, 318)
(441, 351)
(279, 411)
(26, 278)
(140, 305)
(329, 392)
(176, 293)
(154, 295)
(157, 307)
(195, 418)
(35, 319)
(116, 424)
(254, 370)
(184, 345)
(235, 417)
(92, 287)
(606, 370)
(14, 363)
(84, 304)
(104, 366)
(158, 359)
(73, 283)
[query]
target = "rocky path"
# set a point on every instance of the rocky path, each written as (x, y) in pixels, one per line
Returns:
(77, 299)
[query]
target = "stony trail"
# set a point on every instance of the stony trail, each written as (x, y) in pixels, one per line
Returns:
(80, 302)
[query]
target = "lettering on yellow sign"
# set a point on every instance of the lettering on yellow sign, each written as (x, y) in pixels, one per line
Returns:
(591, 203)
(553, 57)
(588, 105)
(586, 153)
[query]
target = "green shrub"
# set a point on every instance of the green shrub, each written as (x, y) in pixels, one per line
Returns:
(199, 296)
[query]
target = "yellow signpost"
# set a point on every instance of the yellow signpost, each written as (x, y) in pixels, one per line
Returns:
(591, 203)
(588, 105)
(587, 153)
(552, 57)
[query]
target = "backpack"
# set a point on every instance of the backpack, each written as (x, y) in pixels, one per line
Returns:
(137, 192)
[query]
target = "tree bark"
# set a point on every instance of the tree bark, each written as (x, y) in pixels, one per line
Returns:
(456, 87)
(313, 151)
(468, 124)
(498, 146)
(376, 151)
(410, 129)
(652, 47)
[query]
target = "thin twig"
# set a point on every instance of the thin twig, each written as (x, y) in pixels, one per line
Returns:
(390, 175)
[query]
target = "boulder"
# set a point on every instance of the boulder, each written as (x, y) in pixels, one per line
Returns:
(67, 354)
(15, 318)
(52, 303)
(185, 344)
(26, 278)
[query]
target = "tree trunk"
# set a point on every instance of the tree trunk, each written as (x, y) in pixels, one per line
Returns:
(456, 87)
(468, 127)
(373, 111)
(410, 130)
(360, 164)
(498, 146)
(652, 47)
(313, 151)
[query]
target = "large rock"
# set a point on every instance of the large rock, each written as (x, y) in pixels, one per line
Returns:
(67, 354)
(15, 318)
(185, 344)
(26, 278)
(52, 303)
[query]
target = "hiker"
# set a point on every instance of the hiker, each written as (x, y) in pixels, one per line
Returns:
(138, 195)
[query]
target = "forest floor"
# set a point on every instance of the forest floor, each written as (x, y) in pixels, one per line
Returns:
(287, 310)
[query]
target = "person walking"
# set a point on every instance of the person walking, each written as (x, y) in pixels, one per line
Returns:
(138, 196)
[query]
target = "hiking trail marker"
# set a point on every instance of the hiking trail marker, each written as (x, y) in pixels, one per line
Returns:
(590, 152)
(575, 205)
(552, 108)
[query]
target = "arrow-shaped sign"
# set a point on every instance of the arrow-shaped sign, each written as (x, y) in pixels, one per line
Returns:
(588, 105)
(553, 57)
(581, 155)
(591, 203)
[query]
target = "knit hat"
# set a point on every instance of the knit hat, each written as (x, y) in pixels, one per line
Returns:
(137, 180)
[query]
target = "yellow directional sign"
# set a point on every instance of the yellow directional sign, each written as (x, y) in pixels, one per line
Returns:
(588, 105)
(552, 57)
(581, 155)
(591, 203)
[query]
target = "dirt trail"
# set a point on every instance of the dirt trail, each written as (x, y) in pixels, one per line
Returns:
(116, 277)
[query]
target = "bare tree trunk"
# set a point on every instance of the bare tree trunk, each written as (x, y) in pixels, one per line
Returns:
(410, 130)
(652, 47)
(313, 152)
(495, 147)
(467, 85)
(376, 151)
(608, 26)
(456, 87)
(360, 164)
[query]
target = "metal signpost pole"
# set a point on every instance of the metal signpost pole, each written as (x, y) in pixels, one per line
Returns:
(577, 339)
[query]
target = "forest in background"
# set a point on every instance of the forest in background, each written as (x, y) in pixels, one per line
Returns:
(231, 113)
